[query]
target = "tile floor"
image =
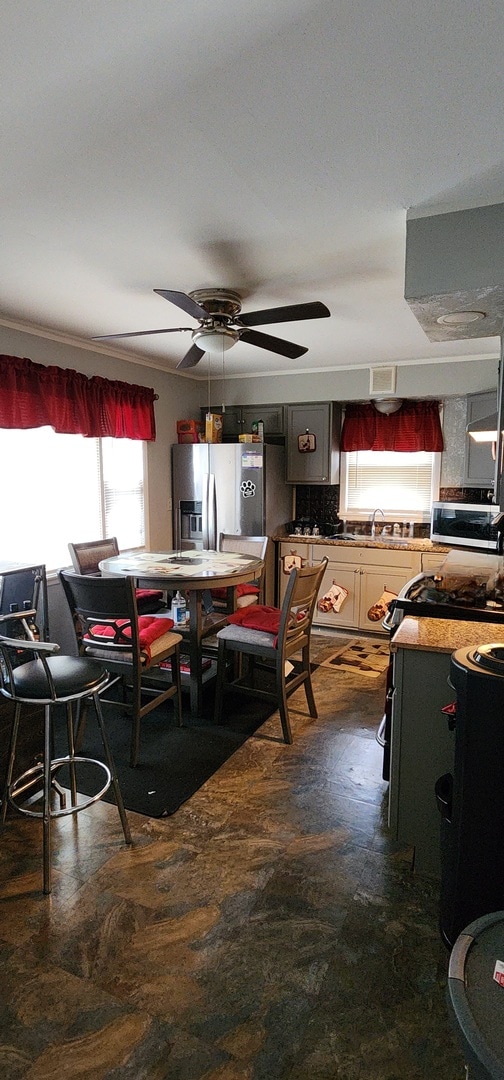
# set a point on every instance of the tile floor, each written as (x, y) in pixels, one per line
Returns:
(269, 930)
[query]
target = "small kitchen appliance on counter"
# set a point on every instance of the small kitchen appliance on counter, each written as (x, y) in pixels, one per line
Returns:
(468, 525)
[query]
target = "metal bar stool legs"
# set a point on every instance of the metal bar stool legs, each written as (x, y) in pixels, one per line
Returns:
(38, 783)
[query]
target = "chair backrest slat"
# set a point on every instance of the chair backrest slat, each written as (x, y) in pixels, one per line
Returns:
(87, 555)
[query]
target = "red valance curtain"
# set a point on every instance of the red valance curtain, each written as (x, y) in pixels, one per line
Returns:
(415, 426)
(32, 395)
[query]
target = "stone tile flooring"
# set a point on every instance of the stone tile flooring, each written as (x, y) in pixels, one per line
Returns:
(269, 930)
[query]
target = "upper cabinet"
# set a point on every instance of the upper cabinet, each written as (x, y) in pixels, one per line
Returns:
(238, 419)
(313, 435)
(479, 469)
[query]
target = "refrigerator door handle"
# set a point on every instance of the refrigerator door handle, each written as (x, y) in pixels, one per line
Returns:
(212, 513)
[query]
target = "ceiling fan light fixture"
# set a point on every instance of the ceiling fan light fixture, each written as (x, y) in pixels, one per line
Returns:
(215, 340)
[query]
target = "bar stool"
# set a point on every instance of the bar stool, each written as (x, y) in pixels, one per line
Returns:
(31, 673)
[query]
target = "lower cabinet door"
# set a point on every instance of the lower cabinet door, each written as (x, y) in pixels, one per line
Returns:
(374, 583)
(337, 581)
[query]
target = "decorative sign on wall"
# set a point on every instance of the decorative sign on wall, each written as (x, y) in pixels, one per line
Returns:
(307, 442)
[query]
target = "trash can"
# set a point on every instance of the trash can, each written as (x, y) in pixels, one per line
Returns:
(476, 995)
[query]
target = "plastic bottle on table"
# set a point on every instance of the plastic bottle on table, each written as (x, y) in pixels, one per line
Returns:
(179, 609)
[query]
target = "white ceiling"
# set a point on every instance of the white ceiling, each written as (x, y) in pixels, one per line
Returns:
(269, 147)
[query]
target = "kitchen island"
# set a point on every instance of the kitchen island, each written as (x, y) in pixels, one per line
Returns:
(422, 744)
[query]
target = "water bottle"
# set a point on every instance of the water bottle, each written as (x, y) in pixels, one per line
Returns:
(178, 610)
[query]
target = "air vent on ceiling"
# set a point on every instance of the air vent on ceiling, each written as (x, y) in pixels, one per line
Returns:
(382, 380)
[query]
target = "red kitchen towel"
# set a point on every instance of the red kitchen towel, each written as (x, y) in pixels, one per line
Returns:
(149, 629)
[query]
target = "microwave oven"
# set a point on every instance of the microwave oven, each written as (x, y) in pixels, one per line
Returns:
(464, 525)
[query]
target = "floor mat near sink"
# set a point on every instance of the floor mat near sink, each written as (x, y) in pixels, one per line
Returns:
(363, 657)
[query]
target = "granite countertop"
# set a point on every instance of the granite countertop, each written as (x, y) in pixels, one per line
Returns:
(416, 544)
(443, 635)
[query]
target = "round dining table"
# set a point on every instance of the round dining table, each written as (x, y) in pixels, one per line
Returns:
(195, 573)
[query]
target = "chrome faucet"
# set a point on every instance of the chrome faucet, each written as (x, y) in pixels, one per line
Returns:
(373, 520)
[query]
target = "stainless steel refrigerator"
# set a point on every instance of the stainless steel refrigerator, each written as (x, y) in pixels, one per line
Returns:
(232, 488)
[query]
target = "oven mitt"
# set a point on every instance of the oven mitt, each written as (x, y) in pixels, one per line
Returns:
(379, 610)
(333, 599)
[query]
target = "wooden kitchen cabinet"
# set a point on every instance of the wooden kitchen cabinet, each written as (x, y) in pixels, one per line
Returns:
(320, 423)
(238, 419)
(479, 466)
(364, 572)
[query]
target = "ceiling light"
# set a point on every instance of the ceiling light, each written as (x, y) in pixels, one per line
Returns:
(215, 339)
(460, 318)
(387, 406)
(483, 430)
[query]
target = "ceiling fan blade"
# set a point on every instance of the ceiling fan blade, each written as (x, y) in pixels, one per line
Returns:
(290, 313)
(142, 333)
(273, 344)
(191, 358)
(182, 300)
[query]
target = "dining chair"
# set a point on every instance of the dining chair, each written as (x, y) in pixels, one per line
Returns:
(126, 644)
(275, 638)
(256, 546)
(86, 558)
(34, 673)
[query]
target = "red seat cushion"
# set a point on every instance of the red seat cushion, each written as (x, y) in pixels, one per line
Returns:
(241, 590)
(149, 629)
(152, 594)
(258, 617)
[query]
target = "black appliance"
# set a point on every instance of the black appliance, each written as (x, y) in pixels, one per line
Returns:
(471, 801)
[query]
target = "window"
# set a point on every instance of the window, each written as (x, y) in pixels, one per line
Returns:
(400, 484)
(61, 488)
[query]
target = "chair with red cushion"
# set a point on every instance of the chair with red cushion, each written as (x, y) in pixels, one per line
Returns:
(86, 558)
(129, 645)
(252, 592)
(274, 635)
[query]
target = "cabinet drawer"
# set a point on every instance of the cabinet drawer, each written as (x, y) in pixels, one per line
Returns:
(393, 557)
(335, 553)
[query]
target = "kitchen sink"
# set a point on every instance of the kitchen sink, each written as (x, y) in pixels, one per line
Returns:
(361, 538)
(347, 536)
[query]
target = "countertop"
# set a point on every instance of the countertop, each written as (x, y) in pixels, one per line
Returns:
(416, 544)
(443, 635)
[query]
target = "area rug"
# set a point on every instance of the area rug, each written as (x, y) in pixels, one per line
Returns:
(173, 761)
(362, 656)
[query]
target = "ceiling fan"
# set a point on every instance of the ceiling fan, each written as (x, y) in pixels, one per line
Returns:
(222, 323)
